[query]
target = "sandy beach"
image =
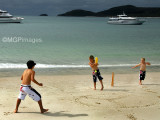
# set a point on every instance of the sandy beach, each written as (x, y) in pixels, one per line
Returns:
(72, 97)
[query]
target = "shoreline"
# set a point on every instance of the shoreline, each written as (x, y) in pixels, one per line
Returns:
(76, 71)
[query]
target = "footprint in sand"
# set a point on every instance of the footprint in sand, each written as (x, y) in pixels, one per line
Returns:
(85, 100)
(8, 113)
(148, 90)
(144, 87)
(98, 103)
(131, 117)
(23, 107)
(158, 96)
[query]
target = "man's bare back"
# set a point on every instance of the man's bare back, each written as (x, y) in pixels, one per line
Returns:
(26, 76)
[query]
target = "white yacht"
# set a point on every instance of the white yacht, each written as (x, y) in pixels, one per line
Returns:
(124, 20)
(5, 17)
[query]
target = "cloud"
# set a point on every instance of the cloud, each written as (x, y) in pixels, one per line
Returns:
(53, 7)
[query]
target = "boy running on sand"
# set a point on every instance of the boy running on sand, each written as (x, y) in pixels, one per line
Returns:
(142, 69)
(27, 77)
(96, 73)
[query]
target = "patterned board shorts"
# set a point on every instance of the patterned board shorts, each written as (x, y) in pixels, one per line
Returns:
(142, 75)
(96, 75)
(27, 89)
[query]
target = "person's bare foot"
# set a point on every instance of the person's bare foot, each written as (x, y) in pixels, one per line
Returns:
(94, 88)
(44, 110)
(15, 111)
(102, 88)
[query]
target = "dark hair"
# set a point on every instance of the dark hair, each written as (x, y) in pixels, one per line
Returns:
(143, 59)
(30, 64)
(91, 57)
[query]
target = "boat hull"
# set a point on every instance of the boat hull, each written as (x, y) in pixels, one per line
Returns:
(11, 20)
(126, 22)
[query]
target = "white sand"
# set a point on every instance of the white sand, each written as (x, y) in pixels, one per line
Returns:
(72, 97)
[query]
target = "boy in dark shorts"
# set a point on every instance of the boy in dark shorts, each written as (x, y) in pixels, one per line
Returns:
(142, 69)
(26, 89)
(96, 73)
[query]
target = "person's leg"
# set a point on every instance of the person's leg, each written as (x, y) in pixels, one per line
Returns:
(140, 82)
(36, 97)
(94, 85)
(21, 96)
(17, 105)
(41, 107)
(142, 76)
(94, 81)
(100, 78)
(101, 84)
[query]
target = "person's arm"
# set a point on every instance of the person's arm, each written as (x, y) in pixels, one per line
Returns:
(91, 65)
(33, 80)
(148, 63)
(136, 66)
(96, 64)
(22, 77)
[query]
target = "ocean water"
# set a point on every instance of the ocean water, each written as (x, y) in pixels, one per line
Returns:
(65, 43)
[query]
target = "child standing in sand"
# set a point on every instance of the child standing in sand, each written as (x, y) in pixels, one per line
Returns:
(142, 69)
(27, 77)
(96, 72)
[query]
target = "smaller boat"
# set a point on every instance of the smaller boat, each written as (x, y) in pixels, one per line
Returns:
(5, 17)
(123, 19)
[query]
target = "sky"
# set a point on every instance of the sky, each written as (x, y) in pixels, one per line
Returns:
(54, 7)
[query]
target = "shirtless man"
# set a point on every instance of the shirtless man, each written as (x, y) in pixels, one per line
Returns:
(27, 77)
(142, 69)
(96, 73)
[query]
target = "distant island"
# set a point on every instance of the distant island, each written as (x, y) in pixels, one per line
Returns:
(43, 15)
(78, 13)
(130, 10)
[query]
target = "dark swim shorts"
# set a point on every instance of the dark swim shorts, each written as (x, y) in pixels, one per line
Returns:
(142, 75)
(97, 74)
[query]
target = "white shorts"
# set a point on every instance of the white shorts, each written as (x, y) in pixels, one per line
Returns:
(27, 89)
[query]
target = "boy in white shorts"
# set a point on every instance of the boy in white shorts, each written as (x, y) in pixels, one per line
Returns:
(27, 77)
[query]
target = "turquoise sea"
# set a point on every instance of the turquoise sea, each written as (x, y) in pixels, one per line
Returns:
(63, 44)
